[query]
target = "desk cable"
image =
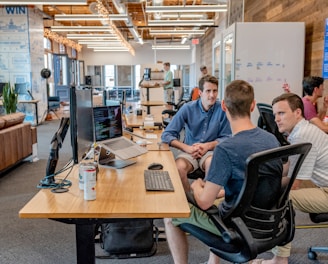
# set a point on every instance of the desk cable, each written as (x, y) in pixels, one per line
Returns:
(61, 185)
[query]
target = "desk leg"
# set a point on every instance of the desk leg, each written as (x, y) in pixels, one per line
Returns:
(36, 114)
(85, 244)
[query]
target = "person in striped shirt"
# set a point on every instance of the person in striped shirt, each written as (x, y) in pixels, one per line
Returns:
(309, 193)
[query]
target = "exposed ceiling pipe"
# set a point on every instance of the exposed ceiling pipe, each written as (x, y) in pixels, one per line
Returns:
(122, 10)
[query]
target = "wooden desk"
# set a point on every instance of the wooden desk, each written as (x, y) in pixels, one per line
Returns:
(136, 121)
(120, 194)
(156, 145)
(148, 104)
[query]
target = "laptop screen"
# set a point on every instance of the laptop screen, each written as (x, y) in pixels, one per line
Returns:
(107, 122)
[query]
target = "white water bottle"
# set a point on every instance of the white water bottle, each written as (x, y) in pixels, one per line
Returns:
(90, 180)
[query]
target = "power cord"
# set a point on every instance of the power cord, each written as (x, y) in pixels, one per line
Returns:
(61, 185)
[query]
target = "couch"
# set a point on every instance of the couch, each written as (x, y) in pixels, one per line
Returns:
(16, 140)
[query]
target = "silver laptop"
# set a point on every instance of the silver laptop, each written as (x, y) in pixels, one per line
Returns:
(108, 132)
(107, 159)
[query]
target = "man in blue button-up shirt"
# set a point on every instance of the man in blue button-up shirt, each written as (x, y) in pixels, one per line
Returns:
(205, 125)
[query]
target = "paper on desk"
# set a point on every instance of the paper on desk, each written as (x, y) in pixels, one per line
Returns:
(151, 136)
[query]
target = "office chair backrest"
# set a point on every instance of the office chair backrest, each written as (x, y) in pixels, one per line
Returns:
(267, 122)
(246, 230)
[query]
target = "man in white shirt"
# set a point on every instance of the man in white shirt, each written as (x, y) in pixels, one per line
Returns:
(289, 115)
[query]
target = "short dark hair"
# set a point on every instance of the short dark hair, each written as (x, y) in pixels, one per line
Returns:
(293, 100)
(310, 82)
(238, 98)
(166, 64)
(207, 78)
(202, 67)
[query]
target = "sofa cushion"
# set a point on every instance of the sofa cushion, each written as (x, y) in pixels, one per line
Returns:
(2, 122)
(13, 119)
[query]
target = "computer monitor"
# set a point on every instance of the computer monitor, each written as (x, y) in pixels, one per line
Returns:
(2, 85)
(21, 88)
(23, 93)
(123, 101)
(107, 122)
(147, 74)
(81, 121)
(176, 82)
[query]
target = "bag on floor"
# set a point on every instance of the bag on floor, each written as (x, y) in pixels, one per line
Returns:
(129, 238)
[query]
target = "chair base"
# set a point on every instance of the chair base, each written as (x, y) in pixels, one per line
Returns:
(312, 252)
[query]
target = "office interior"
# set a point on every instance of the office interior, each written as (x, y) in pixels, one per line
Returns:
(114, 71)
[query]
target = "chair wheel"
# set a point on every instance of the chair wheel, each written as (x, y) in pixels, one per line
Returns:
(312, 255)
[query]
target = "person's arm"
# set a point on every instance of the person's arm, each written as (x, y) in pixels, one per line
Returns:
(322, 111)
(184, 147)
(205, 193)
(320, 124)
(203, 148)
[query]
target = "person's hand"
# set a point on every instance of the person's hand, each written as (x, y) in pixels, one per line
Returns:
(325, 102)
(197, 184)
(192, 150)
(286, 87)
(202, 149)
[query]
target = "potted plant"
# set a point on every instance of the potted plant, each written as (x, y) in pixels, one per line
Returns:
(9, 99)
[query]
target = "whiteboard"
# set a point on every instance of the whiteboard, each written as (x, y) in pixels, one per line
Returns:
(266, 55)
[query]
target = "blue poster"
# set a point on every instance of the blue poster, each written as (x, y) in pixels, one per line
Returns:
(325, 52)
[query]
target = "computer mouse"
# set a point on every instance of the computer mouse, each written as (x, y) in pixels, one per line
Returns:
(155, 166)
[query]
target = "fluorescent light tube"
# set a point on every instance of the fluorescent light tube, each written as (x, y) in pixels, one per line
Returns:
(90, 17)
(170, 47)
(91, 36)
(186, 9)
(203, 22)
(81, 28)
(35, 2)
(177, 32)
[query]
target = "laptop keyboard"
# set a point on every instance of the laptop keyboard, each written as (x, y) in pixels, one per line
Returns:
(158, 180)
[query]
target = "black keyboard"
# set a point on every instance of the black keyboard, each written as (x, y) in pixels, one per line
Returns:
(158, 180)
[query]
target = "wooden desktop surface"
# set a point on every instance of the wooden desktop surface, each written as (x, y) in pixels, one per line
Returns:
(120, 194)
(133, 120)
(153, 144)
(23, 101)
(152, 103)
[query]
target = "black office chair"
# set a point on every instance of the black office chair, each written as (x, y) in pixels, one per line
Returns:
(168, 114)
(53, 104)
(317, 218)
(246, 230)
(267, 122)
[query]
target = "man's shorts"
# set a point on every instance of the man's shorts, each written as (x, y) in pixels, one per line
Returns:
(198, 218)
(196, 163)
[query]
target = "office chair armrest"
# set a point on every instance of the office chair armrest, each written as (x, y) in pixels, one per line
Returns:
(319, 218)
(169, 112)
(228, 235)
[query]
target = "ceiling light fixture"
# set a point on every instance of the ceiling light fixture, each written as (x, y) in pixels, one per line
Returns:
(104, 11)
(186, 9)
(100, 43)
(182, 15)
(81, 28)
(109, 45)
(170, 47)
(36, 2)
(177, 32)
(90, 17)
(203, 22)
(92, 36)
(110, 50)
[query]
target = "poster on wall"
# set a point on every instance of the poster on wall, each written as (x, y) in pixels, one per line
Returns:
(14, 46)
(325, 52)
